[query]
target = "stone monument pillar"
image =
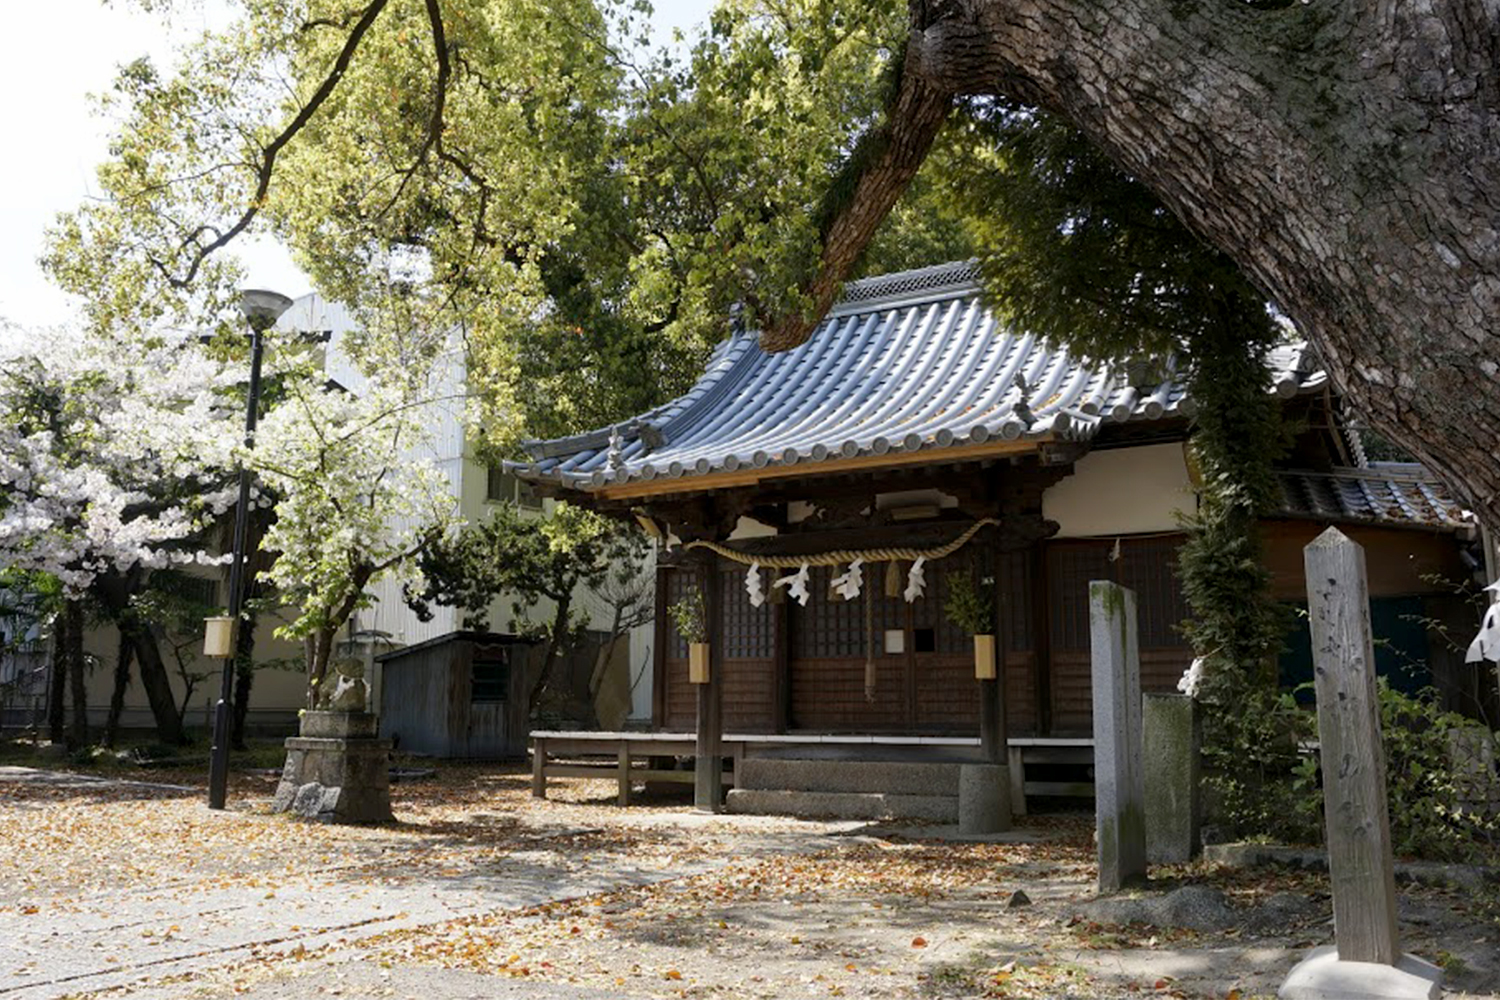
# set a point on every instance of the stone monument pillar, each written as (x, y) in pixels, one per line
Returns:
(337, 769)
(1119, 790)
(1172, 736)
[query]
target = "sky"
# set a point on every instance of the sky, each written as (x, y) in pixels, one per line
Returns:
(56, 141)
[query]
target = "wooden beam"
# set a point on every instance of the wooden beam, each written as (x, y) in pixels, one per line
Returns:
(865, 463)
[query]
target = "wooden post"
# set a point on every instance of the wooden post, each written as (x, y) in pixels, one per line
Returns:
(622, 771)
(994, 732)
(708, 763)
(1354, 805)
(538, 768)
(1119, 785)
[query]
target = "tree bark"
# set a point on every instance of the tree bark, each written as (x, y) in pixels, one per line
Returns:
(549, 658)
(244, 678)
(124, 653)
(57, 686)
(114, 593)
(77, 682)
(1346, 155)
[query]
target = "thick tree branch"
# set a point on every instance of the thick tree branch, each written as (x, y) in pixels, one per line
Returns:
(267, 167)
(1346, 162)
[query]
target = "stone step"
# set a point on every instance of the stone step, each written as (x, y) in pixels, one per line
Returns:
(874, 776)
(843, 805)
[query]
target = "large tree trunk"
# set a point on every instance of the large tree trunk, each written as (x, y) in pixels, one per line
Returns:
(124, 653)
(1345, 154)
(77, 682)
(156, 683)
(57, 682)
(114, 593)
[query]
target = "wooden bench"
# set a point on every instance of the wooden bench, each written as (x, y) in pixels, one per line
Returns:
(631, 753)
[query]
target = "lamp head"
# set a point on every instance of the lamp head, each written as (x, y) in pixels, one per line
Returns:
(262, 308)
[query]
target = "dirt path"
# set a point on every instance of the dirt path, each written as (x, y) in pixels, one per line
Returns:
(141, 892)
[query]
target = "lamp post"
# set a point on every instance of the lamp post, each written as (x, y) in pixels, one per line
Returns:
(261, 309)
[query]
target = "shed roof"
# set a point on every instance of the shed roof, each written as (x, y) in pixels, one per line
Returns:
(906, 363)
(1390, 493)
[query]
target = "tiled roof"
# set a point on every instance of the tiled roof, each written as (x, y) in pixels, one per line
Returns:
(906, 362)
(1387, 493)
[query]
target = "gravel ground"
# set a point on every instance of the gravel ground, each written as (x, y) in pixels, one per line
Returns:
(137, 890)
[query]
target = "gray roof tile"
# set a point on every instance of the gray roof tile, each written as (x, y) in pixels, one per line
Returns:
(906, 362)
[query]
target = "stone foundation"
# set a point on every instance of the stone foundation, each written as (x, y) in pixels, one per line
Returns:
(337, 771)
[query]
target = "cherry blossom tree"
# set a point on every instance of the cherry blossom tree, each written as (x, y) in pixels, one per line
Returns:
(355, 500)
(113, 464)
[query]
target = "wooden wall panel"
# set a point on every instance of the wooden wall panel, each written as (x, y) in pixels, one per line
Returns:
(1398, 561)
(1072, 694)
(681, 699)
(749, 696)
(947, 695)
(828, 695)
(1021, 694)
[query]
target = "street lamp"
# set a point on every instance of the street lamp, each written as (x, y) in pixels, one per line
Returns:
(261, 309)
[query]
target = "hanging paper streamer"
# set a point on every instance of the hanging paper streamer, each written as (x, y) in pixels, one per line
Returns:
(848, 586)
(916, 580)
(796, 584)
(753, 586)
(1486, 645)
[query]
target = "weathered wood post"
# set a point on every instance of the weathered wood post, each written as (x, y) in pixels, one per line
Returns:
(708, 760)
(1367, 960)
(1118, 779)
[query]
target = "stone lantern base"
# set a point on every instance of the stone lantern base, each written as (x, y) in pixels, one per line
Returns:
(337, 770)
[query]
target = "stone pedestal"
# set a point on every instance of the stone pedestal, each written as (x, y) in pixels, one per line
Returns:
(337, 770)
(1171, 737)
(1322, 976)
(983, 798)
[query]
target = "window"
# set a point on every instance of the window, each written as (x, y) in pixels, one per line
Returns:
(490, 681)
(500, 487)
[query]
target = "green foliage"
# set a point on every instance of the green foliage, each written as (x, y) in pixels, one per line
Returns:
(1263, 785)
(532, 558)
(971, 606)
(1429, 789)
(1261, 782)
(690, 616)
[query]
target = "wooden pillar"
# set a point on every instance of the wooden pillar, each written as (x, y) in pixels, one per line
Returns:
(660, 636)
(1119, 785)
(993, 731)
(1354, 804)
(538, 768)
(708, 762)
(781, 667)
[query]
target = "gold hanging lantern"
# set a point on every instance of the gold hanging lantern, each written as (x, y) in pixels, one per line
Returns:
(218, 637)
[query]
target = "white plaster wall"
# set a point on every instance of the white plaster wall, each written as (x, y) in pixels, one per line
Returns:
(1122, 491)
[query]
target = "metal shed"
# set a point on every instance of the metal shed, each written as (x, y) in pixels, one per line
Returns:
(459, 695)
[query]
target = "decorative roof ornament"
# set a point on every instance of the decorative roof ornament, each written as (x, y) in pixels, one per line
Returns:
(753, 586)
(849, 584)
(796, 584)
(616, 448)
(1022, 406)
(916, 580)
